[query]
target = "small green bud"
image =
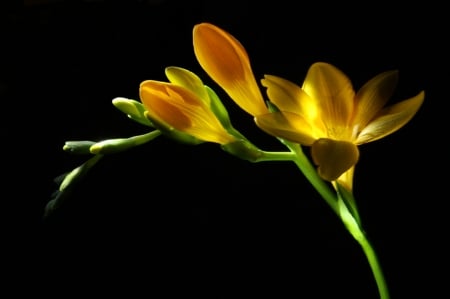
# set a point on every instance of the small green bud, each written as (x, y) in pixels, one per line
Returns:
(78, 147)
(70, 177)
(111, 146)
(133, 109)
(77, 173)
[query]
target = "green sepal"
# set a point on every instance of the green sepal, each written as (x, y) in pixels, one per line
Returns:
(347, 197)
(218, 108)
(221, 113)
(244, 150)
(350, 222)
(272, 107)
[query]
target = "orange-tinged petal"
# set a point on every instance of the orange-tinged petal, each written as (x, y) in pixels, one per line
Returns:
(390, 119)
(288, 126)
(372, 97)
(154, 95)
(288, 96)
(334, 91)
(333, 157)
(182, 110)
(227, 63)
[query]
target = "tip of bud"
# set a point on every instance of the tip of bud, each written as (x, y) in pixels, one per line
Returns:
(95, 149)
(119, 100)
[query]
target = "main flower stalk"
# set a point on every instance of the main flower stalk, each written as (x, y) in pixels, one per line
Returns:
(338, 203)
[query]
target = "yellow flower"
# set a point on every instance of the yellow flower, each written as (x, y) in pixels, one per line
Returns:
(183, 105)
(326, 114)
(225, 60)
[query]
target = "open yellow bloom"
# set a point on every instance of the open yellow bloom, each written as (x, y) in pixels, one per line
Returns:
(326, 114)
(183, 105)
(225, 60)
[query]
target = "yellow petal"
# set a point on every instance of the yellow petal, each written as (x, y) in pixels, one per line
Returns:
(286, 125)
(371, 98)
(288, 96)
(227, 63)
(333, 157)
(346, 179)
(187, 79)
(333, 90)
(390, 119)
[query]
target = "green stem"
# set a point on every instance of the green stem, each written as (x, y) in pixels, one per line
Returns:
(245, 150)
(275, 156)
(353, 225)
(375, 266)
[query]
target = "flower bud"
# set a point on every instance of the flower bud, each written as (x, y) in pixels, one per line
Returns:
(112, 146)
(78, 147)
(133, 109)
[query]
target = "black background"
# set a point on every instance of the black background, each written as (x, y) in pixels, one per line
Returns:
(182, 220)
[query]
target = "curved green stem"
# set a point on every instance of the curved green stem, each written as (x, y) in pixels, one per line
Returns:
(375, 266)
(339, 202)
(355, 230)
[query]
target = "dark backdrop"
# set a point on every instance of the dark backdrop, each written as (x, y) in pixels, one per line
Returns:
(182, 220)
